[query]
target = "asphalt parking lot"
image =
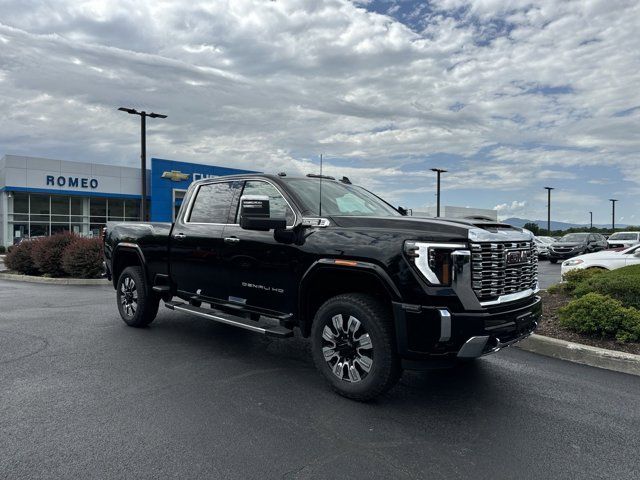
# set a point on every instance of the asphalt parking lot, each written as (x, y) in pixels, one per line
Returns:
(548, 273)
(84, 396)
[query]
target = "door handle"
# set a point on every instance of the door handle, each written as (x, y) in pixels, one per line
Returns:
(179, 236)
(231, 240)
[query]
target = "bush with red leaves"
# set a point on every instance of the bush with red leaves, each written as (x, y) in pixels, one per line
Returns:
(83, 258)
(47, 253)
(20, 258)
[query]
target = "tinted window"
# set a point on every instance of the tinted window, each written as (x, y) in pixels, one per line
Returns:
(277, 203)
(339, 198)
(624, 236)
(212, 203)
(575, 237)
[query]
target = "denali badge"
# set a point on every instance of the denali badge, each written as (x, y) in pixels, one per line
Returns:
(516, 257)
(262, 287)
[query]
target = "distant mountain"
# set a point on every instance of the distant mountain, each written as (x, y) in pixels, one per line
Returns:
(519, 222)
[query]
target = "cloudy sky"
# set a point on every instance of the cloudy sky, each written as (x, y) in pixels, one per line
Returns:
(508, 95)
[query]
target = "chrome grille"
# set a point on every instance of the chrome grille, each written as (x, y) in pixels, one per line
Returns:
(492, 276)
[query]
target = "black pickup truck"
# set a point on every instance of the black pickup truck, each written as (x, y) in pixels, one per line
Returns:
(376, 290)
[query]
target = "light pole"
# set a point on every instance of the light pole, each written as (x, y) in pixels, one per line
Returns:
(591, 214)
(143, 153)
(439, 171)
(548, 189)
(613, 213)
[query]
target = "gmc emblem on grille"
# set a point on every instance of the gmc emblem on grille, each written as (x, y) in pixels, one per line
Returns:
(517, 257)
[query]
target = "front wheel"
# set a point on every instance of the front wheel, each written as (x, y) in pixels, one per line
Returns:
(137, 305)
(353, 346)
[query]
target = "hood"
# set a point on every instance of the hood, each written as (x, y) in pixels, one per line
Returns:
(599, 255)
(437, 228)
(567, 244)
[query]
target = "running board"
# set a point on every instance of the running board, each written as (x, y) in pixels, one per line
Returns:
(240, 322)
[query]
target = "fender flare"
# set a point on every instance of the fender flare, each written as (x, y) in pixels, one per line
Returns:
(129, 247)
(344, 265)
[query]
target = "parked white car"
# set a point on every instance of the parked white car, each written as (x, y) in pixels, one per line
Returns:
(605, 259)
(543, 246)
(547, 239)
(623, 239)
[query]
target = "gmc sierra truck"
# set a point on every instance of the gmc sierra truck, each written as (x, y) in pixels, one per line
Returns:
(375, 290)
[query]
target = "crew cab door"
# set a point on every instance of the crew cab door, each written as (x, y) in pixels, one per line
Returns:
(196, 244)
(263, 266)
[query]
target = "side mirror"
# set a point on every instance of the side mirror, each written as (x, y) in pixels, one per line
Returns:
(255, 214)
(403, 211)
(637, 253)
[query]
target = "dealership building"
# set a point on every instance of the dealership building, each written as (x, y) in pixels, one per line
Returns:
(41, 196)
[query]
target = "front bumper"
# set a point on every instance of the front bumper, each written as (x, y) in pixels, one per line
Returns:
(427, 334)
(564, 255)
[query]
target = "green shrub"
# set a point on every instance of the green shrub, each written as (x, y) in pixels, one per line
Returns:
(622, 284)
(20, 258)
(573, 278)
(2, 249)
(600, 315)
(83, 258)
(47, 253)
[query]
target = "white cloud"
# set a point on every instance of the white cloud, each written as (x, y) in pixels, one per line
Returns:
(517, 91)
(513, 209)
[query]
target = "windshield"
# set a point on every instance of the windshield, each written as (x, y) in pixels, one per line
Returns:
(575, 237)
(624, 236)
(339, 199)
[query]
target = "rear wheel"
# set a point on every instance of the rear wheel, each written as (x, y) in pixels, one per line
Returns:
(138, 306)
(353, 346)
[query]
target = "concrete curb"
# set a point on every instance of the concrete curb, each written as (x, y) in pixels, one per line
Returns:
(55, 281)
(585, 354)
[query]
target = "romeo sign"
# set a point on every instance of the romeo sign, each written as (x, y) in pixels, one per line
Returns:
(74, 182)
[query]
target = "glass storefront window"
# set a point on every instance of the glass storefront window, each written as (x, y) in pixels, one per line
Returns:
(59, 228)
(96, 229)
(38, 215)
(59, 205)
(76, 206)
(132, 209)
(20, 203)
(39, 230)
(19, 230)
(40, 218)
(39, 204)
(98, 207)
(116, 209)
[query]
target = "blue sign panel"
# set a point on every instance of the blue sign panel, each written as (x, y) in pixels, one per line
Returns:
(170, 179)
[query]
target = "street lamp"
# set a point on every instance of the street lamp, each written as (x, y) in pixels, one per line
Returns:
(143, 152)
(613, 213)
(591, 214)
(548, 189)
(438, 171)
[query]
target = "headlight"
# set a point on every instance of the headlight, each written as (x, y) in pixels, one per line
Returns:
(570, 263)
(432, 260)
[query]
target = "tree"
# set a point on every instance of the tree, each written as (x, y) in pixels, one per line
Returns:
(532, 227)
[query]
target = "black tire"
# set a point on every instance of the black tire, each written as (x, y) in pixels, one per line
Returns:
(553, 260)
(137, 304)
(377, 352)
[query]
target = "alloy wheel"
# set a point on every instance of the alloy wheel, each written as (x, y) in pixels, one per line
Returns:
(129, 296)
(347, 348)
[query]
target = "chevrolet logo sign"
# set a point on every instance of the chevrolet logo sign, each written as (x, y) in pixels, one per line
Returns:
(175, 175)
